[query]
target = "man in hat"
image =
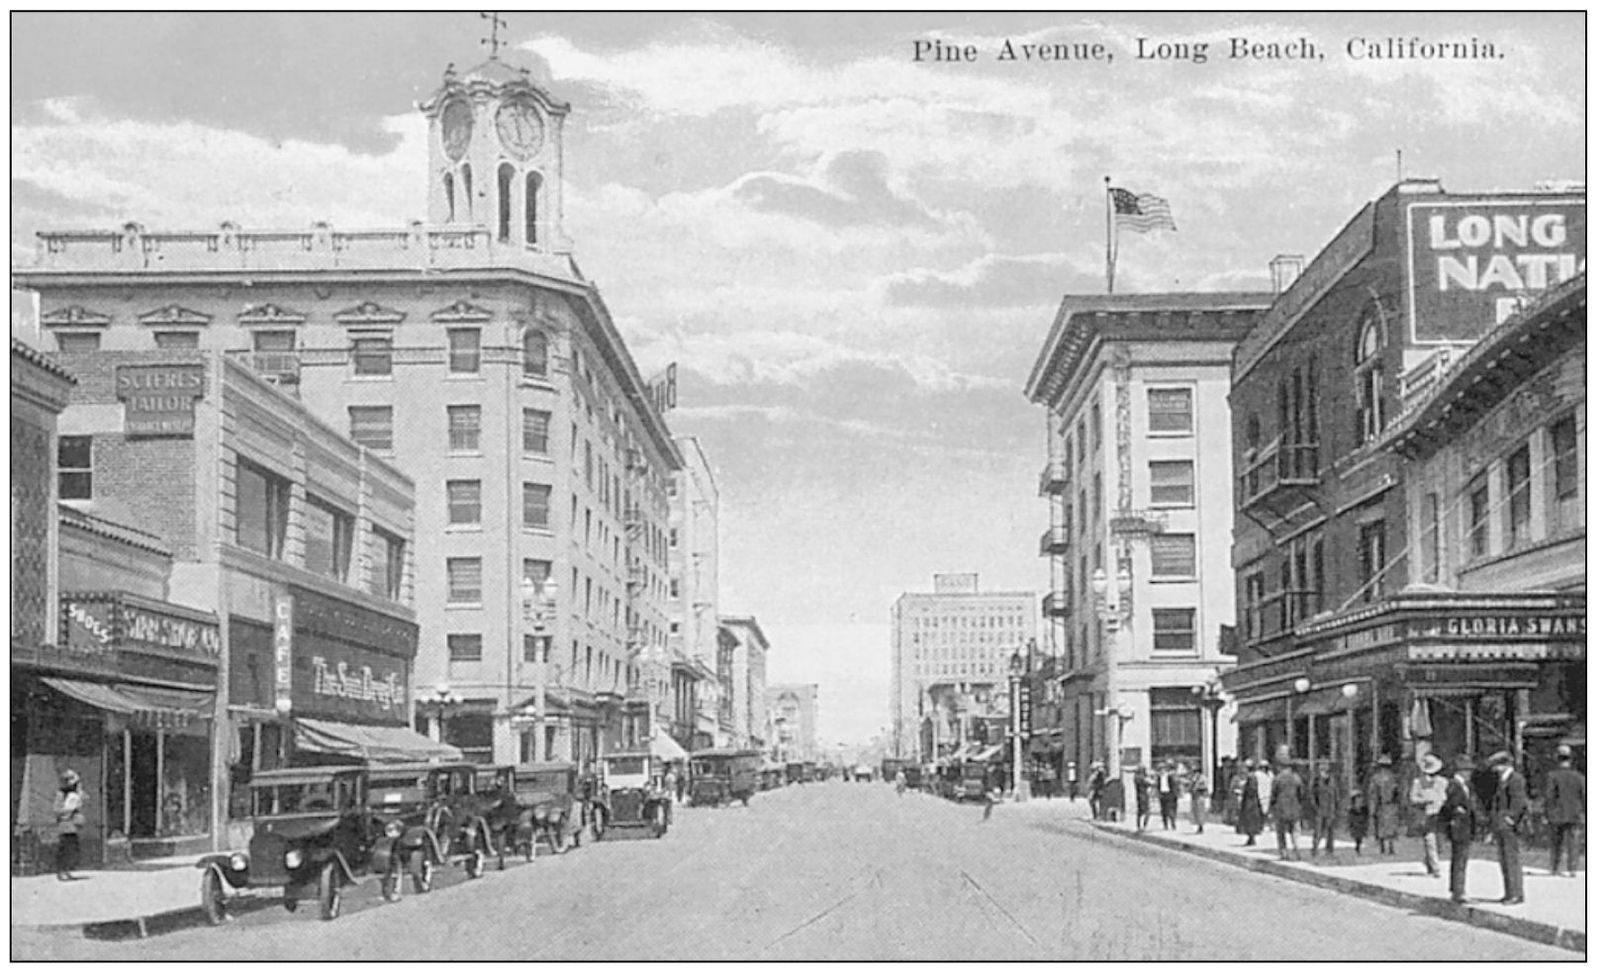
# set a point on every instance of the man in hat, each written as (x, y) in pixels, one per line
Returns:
(1565, 810)
(1383, 805)
(1288, 804)
(69, 809)
(1324, 795)
(1456, 815)
(1507, 810)
(1427, 797)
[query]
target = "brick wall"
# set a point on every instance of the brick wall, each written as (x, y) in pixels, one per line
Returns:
(31, 514)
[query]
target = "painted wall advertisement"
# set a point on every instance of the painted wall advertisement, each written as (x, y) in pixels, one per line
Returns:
(159, 400)
(1473, 263)
(351, 663)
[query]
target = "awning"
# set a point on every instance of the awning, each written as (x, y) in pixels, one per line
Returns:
(1261, 711)
(1321, 702)
(385, 745)
(665, 748)
(151, 706)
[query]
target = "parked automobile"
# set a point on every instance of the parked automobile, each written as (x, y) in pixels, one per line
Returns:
(631, 794)
(772, 776)
(405, 795)
(794, 771)
(720, 775)
(456, 818)
(496, 804)
(974, 781)
(914, 777)
(313, 832)
(864, 773)
(548, 796)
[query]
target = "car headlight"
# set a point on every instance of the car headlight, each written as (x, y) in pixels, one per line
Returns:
(293, 859)
(393, 830)
(237, 862)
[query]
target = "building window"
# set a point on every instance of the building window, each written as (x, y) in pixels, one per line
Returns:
(1430, 537)
(463, 648)
(463, 580)
(1174, 630)
(535, 353)
(463, 502)
(1479, 517)
(1082, 441)
(1518, 497)
(1255, 593)
(537, 505)
(371, 427)
(1562, 443)
(536, 425)
(1171, 411)
(371, 356)
(1171, 483)
(1369, 380)
(1372, 555)
(75, 467)
(262, 509)
(1172, 555)
(77, 342)
(1095, 424)
(463, 351)
(328, 548)
(463, 427)
(537, 571)
(1174, 725)
(390, 559)
(504, 201)
(178, 340)
(1082, 511)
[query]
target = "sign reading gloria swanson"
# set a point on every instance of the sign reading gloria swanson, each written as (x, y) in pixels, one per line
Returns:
(159, 399)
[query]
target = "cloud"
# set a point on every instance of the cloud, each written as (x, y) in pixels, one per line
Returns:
(993, 281)
(855, 191)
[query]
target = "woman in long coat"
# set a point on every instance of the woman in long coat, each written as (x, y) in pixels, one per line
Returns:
(1252, 817)
(1141, 792)
(1383, 805)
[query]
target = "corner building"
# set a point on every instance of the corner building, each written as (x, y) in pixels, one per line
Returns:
(1351, 645)
(473, 354)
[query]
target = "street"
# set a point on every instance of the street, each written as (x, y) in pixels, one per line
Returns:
(846, 871)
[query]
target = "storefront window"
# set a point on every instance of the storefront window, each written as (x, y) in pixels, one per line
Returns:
(186, 785)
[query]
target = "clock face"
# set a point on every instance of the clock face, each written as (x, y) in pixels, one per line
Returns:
(520, 126)
(457, 125)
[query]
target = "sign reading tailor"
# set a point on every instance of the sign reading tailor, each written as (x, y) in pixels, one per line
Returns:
(1473, 263)
(159, 400)
(283, 632)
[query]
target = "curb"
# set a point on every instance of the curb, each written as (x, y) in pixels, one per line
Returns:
(1442, 907)
(145, 925)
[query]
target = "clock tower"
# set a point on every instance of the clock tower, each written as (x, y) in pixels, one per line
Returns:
(496, 155)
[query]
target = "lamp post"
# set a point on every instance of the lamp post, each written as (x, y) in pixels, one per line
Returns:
(436, 705)
(1018, 698)
(540, 604)
(1110, 608)
(1209, 695)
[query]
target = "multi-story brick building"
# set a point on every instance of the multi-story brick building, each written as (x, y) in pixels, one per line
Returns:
(950, 665)
(473, 354)
(1140, 484)
(1341, 652)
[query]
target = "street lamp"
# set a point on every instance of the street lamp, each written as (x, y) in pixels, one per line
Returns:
(1209, 696)
(1018, 679)
(436, 705)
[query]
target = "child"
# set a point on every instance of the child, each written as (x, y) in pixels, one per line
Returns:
(1356, 813)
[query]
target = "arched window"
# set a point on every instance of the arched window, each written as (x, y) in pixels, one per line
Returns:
(468, 192)
(1369, 379)
(504, 200)
(451, 196)
(532, 198)
(535, 353)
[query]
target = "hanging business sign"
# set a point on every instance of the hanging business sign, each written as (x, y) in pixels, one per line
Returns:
(1473, 263)
(159, 400)
(283, 643)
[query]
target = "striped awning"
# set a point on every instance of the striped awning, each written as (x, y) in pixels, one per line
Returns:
(369, 742)
(1496, 651)
(148, 706)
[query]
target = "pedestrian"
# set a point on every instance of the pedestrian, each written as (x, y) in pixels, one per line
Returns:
(1252, 816)
(1324, 796)
(1565, 810)
(1096, 792)
(1456, 816)
(1168, 796)
(69, 820)
(989, 799)
(899, 782)
(1356, 817)
(1427, 797)
(1288, 804)
(1511, 804)
(1235, 793)
(1141, 792)
(1199, 790)
(1383, 805)
(671, 782)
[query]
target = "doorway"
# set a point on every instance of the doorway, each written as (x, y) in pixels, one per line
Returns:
(142, 782)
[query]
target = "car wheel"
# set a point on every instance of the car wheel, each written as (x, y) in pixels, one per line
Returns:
(475, 865)
(212, 901)
(422, 871)
(502, 852)
(329, 891)
(599, 824)
(390, 884)
(291, 904)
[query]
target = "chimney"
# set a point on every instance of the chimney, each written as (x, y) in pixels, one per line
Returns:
(1285, 269)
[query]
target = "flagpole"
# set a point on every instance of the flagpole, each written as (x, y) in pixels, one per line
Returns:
(1110, 245)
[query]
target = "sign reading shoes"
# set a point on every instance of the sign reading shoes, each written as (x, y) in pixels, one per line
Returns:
(159, 400)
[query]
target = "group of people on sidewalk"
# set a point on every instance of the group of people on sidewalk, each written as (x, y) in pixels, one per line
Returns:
(1426, 806)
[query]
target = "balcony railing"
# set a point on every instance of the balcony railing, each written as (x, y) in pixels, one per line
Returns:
(1052, 481)
(636, 577)
(1422, 378)
(1055, 605)
(279, 366)
(1281, 465)
(1055, 540)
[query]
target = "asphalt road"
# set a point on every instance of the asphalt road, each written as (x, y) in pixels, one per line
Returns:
(839, 870)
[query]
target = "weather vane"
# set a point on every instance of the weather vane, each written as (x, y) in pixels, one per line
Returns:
(496, 24)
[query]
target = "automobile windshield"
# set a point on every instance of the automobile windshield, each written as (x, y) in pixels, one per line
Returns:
(554, 782)
(285, 799)
(627, 765)
(706, 768)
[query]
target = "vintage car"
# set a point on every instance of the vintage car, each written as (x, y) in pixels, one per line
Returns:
(890, 768)
(631, 794)
(864, 773)
(794, 772)
(913, 776)
(772, 776)
(548, 796)
(811, 772)
(720, 775)
(496, 804)
(974, 781)
(456, 817)
(313, 832)
(437, 812)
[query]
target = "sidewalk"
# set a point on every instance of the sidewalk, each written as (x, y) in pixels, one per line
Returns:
(1553, 911)
(113, 902)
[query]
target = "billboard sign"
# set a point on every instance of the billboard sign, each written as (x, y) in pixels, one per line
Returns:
(1472, 263)
(159, 401)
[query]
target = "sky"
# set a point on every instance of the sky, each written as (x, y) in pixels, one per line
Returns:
(853, 256)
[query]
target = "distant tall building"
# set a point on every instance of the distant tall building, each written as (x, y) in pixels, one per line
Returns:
(749, 720)
(950, 660)
(694, 596)
(793, 711)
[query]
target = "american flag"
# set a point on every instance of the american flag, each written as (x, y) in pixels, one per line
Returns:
(1141, 212)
